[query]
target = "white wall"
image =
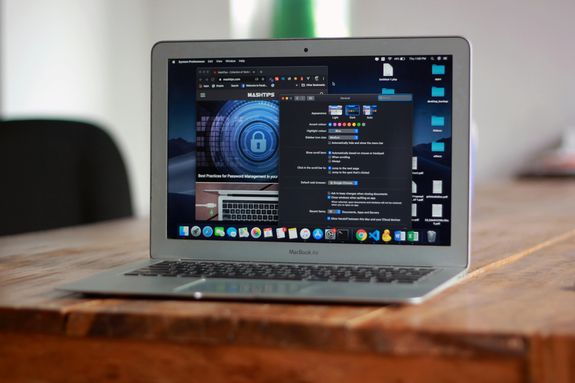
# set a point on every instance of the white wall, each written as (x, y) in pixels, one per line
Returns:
(523, 66)
(51, 54)
(189, 20)
(90, 60)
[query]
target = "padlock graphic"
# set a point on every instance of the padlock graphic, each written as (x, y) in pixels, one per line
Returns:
(258, 143)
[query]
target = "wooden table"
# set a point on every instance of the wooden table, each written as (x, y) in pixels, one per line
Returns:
(511, 320)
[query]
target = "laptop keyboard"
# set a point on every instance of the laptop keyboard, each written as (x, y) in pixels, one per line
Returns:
(265, 211)
(292, 272)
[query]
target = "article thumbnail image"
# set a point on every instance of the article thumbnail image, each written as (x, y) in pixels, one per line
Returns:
(237, 140)
(209, 193)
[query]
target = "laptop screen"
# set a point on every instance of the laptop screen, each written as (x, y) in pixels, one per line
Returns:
(353, 149)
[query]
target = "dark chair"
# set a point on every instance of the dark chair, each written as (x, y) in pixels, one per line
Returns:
(59, 173)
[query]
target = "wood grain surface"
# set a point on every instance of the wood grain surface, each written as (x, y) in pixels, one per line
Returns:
(511, 319)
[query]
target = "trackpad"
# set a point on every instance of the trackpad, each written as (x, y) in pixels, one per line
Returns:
(240, 287)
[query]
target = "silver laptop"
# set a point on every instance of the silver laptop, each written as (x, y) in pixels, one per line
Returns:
(333, 170)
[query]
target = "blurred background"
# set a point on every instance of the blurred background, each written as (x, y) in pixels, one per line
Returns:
(90, 60)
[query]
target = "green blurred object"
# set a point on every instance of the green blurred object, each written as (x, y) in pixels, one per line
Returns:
(293, 18)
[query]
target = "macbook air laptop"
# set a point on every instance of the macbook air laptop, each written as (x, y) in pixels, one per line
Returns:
(332, 170)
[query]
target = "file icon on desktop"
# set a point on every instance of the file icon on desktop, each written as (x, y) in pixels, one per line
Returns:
(437, 69)
(437, 121)
(436, 210)
(437, 146)
(437, 187)
(387, 70)
(437, 91)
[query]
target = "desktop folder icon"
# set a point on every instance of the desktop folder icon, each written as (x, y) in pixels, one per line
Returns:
(437, 121)
(437, 69)
(437, 91)
(437, 146)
